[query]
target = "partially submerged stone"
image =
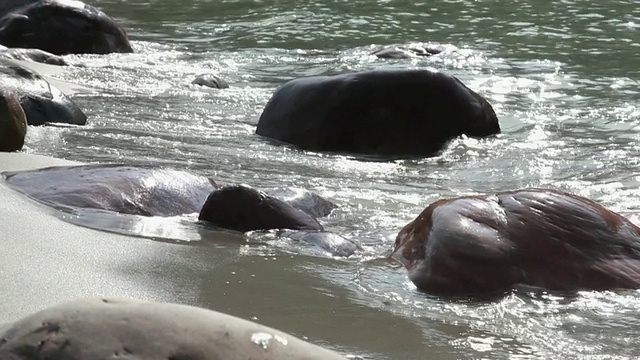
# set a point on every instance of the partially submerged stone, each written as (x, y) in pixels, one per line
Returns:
(243, 208)
(211, 81)
(42, 102)
(390, 113)
(307, 201)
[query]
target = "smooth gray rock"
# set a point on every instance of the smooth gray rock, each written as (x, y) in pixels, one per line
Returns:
(307, 201)
(408, 51)
(102, 329)
(13, 123)
(41, 101)
(35, 55)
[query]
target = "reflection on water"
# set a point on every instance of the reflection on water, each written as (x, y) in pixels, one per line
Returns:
(562, 76)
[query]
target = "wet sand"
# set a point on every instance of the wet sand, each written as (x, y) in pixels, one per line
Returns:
(47, 261)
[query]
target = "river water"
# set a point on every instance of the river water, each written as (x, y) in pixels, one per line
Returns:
(563, 77)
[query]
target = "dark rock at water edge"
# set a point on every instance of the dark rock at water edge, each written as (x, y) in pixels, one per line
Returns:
(379, 112)
(13, 123)
(41, 101)
(62, 27)
(35, 55)
(243, 208)
(211, 81)
(91, 329)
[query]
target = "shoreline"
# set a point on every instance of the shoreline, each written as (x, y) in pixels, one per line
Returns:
(48, 261)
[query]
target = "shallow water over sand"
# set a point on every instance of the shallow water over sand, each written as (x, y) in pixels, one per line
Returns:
(563, 79)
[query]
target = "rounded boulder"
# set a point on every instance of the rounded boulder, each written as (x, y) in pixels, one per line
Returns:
(488, 245)
(102, 328)
(62, 27)
(380, 112)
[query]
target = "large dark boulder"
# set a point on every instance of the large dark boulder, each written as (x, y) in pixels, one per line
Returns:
(13, 123)
(61, 27)
(102, 328)
(379, 112)
(42, 102)
(487, 245)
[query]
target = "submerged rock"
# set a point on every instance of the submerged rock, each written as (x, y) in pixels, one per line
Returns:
(330, 242)
(307, 201)
(103, 328)
(211, 81)
(408, 51)
(35, 55)
(61, 27)
(13, 123)
(134, 190)
(41, 101)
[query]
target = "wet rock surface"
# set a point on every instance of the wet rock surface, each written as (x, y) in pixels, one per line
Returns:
(389, 113)
(104, 328)
(42, 102)
(61, 27)
(13, 122)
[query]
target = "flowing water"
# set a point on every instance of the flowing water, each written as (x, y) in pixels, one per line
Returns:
(563, 77)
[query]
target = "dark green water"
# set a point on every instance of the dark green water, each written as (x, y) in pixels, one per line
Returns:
(563, 77)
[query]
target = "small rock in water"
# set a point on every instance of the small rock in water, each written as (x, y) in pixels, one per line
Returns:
(211, 81)
(408, 51)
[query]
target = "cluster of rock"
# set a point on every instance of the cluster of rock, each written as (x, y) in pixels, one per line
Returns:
(41, 31)
(151, 191)
(466, 246)
(383, 112)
